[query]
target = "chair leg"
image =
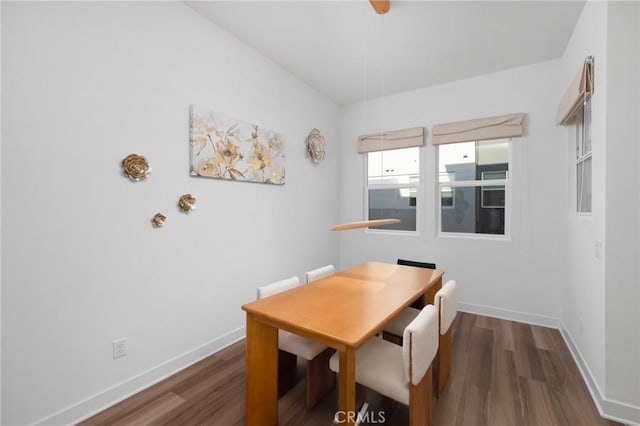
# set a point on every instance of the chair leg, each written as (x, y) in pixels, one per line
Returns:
(287, 371)
(320, 378)
(421, 401)
(444, 361)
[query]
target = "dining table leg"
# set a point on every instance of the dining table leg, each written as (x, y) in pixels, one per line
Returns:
(261, 375)
(347, 387)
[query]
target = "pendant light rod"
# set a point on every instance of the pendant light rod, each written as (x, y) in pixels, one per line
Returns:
(364, 224)
(380, 6)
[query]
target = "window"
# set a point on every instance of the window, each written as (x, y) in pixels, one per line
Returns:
(583, 158)
(473, 187)
(574, 111)
(393, 179)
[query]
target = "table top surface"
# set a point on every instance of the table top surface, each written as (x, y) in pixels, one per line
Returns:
(346, 308)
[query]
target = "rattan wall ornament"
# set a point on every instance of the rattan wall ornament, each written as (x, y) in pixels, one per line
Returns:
(158, 220)
(315, 146)
(187, 203)
(136, 167)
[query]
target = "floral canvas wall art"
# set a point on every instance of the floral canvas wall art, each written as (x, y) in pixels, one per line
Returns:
(226, 148)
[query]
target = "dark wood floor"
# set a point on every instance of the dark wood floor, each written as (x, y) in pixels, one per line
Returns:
(503, 373)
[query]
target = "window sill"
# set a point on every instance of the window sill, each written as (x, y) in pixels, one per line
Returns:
(393, 232)
(482, 237)
(586, 215)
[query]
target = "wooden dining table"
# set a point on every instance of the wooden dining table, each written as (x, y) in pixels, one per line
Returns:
(341, 311)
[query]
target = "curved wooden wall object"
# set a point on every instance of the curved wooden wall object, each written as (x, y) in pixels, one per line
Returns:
(364, 224)
(380, 6)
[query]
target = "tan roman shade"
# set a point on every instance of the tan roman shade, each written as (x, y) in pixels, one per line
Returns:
(573, 98)
(394, 139)
(502, 126)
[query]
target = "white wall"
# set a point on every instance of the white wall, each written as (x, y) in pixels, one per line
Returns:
(0, 227)
(584, 290)
(85, 84)
(600, 315)
(519, 279)
(622, 224)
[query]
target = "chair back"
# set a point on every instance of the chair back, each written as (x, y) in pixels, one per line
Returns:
(417, 304)
(446, 300)
(319, 273)
(278, 287)
(420, 344)
(416, 264)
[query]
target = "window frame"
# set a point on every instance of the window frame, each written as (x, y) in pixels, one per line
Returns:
(507, 182)
(417, 187)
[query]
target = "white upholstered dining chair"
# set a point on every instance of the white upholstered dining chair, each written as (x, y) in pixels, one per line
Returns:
(319, 273)
(319, 378)
(446, 301)
(402, 373)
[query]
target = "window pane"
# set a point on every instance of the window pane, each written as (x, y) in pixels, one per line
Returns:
(374, 164)
(579, 179)
(586, 131)
(583, 180)
(446, 196)
(579, 137)
(494, 175)
(468, 214)
(456, 161)
(395, 166)
(394, 204)
(447, 177)
(470, 160)
(493, 197)
(493, 152)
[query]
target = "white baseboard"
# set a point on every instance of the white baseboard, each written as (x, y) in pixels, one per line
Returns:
(609, 409)
(102, 400)
(509, 315)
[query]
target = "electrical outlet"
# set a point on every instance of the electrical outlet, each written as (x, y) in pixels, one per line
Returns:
(597, 249)
(119, 348)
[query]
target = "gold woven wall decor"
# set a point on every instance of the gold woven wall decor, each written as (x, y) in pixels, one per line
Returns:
(136, 167)
(187, 203)
(315, 146)
(158, 220)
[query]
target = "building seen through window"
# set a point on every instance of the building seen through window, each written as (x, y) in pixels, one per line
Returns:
(473, 181)
(393, 178)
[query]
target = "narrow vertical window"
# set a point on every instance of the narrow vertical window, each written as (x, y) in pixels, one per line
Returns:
(583, 158)
(574, 111)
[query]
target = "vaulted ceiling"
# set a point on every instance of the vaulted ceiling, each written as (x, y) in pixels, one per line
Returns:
(348, 52)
